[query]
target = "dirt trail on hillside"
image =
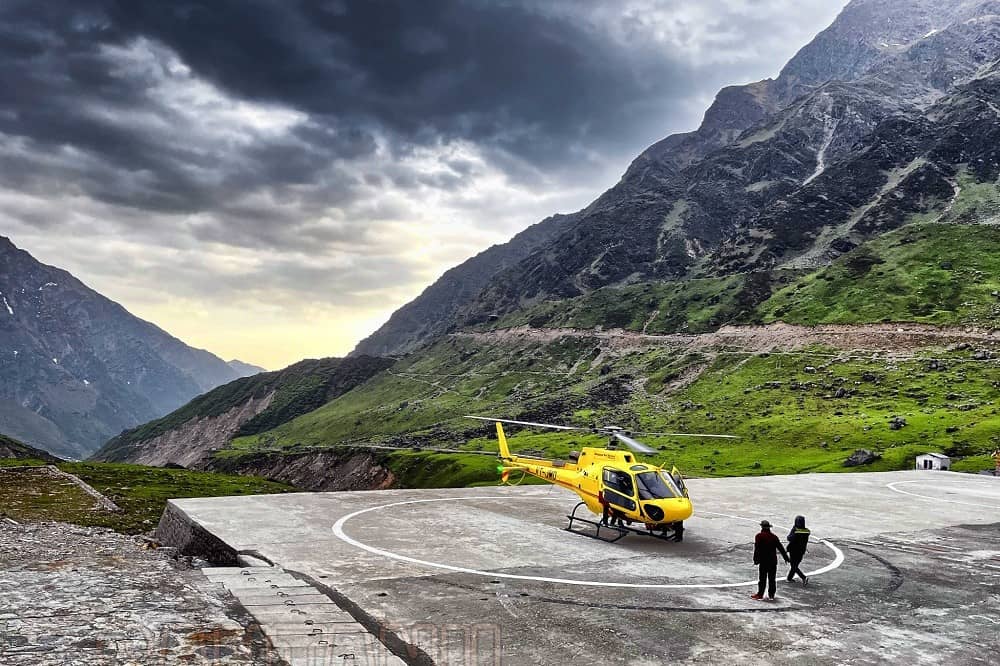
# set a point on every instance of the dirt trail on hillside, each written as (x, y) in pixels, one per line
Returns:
(886, 338)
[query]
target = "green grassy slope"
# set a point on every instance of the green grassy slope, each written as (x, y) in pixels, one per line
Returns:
(692, 306)
(798, 412)
(141, 493)
(934, 273)
(931, 272)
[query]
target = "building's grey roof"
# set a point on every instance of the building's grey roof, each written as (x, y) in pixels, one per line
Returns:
(935, 455)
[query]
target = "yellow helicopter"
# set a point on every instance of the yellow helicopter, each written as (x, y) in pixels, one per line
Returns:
(611, 482)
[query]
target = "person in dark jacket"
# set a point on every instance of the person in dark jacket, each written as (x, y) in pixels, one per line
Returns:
(798, 541)
(766, 547)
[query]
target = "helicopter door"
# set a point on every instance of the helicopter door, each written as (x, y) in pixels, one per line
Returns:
(675, 474)
(618, 488)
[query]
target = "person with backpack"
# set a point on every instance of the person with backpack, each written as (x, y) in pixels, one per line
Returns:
(798, 541)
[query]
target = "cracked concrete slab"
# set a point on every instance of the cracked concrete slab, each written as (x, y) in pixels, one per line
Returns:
(89, 597)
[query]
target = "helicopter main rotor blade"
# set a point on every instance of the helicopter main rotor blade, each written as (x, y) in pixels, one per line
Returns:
(685, 434)
(526, 423)
(636, 446)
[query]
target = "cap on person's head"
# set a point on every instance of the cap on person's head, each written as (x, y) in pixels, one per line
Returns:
(765, 524)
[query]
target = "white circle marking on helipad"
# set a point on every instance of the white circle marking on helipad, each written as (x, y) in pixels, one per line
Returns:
(892, 486)
(338, 530)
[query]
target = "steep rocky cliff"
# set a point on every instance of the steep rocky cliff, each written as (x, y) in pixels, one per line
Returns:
(76, 368)
(317, 471)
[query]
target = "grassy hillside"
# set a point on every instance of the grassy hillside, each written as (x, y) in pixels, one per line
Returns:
(692, 306)
(797, 412)
(141, 493)
(298, 389)
(935, 273)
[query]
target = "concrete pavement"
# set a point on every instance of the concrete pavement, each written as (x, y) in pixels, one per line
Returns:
(906, 565)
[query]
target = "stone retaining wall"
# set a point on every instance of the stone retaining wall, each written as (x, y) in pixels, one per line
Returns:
(176, 529)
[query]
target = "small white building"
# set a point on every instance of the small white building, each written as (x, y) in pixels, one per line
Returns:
(933, 461)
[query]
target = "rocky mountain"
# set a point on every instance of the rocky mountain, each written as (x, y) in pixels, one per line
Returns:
(190, 435)
(888, 114)
(77, 368)
(244, 369)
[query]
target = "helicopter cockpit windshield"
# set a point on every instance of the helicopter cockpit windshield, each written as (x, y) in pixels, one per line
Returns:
(656, 485)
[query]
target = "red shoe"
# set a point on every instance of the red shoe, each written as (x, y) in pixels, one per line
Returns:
(758, 597)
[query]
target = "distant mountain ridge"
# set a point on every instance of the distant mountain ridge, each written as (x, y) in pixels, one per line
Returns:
(855, 137)
(244, 369)
(77, 368)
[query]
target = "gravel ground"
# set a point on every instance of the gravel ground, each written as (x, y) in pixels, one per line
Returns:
(77, 595)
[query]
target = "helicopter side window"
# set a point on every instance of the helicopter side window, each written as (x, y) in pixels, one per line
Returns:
(619, 481)
(655, 486)
(618, 490)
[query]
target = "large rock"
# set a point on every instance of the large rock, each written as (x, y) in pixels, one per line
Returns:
(862, 457)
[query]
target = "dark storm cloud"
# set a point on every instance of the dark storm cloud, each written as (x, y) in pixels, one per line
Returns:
(484, 71)
(535, 86)
(500, 74)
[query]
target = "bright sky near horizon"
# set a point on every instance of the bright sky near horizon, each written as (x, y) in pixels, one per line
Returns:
(270, 181)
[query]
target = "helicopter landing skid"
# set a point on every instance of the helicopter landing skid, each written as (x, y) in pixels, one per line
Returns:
(618, 532)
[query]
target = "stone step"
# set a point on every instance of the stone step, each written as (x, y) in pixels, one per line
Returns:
(305, 626)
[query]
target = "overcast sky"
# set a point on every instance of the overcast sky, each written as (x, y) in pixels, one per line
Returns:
(270, 180)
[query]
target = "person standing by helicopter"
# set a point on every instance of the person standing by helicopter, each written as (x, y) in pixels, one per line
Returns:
(798, 541)
(766, 547)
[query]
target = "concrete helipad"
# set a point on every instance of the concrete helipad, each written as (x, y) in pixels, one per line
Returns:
(905, 568)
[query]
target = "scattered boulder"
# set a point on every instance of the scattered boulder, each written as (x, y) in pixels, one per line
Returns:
(841, 393)
(862, 457)
(897, 423)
